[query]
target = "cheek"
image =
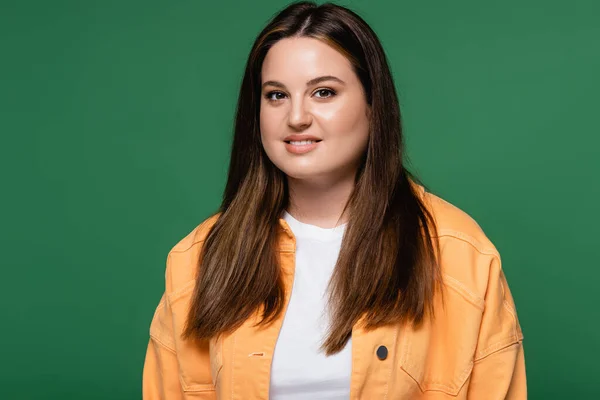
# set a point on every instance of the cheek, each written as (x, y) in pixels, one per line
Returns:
(346, 117)
(348, 136)
(348, 125)
(270, 134)
(269, 125)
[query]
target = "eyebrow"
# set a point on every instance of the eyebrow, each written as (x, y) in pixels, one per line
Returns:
(309, 83)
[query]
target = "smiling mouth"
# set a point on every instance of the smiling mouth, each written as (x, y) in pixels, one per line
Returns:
(301, 146)
(301, 142)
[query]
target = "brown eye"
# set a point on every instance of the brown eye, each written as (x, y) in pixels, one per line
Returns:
(325, 93)
(269, 96)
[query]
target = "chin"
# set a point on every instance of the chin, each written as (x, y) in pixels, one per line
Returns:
(306, 174)
(299, 175)
(301, 169)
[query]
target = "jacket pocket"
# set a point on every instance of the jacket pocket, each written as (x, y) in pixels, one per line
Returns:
(442, 372)
(199, 360)
(439, 355)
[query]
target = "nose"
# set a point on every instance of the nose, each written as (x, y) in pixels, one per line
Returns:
(299, 118)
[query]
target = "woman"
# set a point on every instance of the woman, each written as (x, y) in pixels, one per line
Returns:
(329, 272)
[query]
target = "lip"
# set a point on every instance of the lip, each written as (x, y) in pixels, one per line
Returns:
(298, 137)
(301, 148)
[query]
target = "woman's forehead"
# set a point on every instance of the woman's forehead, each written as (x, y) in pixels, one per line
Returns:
(304, 59)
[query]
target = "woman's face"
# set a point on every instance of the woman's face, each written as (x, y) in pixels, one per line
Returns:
(310, 90)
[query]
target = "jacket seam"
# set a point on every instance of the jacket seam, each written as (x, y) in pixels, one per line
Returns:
(512, 313)
(515, 337)
(162, 343)
(161, 305)
(184, 289)
(159, 331)
(464, 292)
(498, 346)
(196, 388)
(463, 237)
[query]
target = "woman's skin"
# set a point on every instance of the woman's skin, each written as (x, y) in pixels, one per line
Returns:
(321, 180)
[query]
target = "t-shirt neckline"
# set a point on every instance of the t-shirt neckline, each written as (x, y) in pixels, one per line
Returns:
(301, 229)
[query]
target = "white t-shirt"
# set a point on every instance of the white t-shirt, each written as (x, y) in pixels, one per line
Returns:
(300, 370)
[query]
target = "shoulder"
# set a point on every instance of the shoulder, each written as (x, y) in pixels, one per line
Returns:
(184, 256)
(468, 258)
(477, 293)
(196, 236)
(456, 224)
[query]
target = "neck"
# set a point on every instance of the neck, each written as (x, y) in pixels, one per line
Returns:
(319, 203)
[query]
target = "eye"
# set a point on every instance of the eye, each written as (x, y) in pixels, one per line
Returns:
(325, 93)
(269, 96)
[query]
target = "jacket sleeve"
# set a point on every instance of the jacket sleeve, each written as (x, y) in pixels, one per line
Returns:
(161, 371)
(499, 365)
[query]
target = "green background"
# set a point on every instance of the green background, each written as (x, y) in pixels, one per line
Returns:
(116, 122)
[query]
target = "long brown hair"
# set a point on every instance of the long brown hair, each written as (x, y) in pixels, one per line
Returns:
(387, 269)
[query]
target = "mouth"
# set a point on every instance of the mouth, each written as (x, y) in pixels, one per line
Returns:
(301, 146)
(302, 142)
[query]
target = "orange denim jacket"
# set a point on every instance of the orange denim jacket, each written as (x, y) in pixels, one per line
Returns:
(473, 349)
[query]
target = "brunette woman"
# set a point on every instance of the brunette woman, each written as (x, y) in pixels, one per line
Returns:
(329, 272)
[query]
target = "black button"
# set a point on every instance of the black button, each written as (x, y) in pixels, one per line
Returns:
(382, 352)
